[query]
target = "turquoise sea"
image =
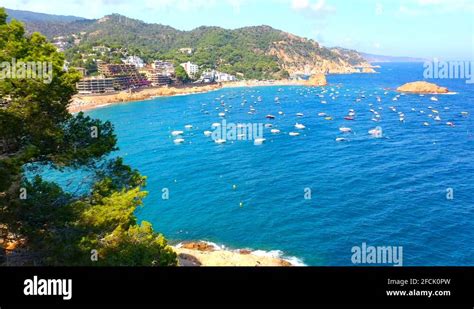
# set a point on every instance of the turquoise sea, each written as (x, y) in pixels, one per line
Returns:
(389, 191)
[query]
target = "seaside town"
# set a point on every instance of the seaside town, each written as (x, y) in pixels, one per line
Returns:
(133, 73)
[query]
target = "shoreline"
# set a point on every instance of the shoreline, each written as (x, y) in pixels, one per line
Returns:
(208, 254)
(86, 102)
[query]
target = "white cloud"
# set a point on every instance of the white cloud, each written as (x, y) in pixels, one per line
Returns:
(378, 9)
(315, 8)
(425, 7)
(98, 8)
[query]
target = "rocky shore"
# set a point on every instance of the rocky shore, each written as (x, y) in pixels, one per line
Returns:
(422, 88)
(205, 254)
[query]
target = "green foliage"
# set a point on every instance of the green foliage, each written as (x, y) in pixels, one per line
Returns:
(36, 128)
(137, 246)
(181, 74)
(247, 51)
(3, 17)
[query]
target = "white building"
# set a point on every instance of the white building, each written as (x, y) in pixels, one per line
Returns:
(190, 68)
(101, 49)
(216, 76)
(224, 77)
(135, 60)
(186, 50)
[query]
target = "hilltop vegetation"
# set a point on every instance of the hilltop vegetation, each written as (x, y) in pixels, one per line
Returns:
(259, 52)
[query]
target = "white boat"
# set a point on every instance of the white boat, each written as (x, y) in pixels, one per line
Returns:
(299, 115)
(220, 141)
(207, 133)
(177, 133)
(437, 118)
(293, 134)
(341, 139)
(280, 113)
(299, 126)
(221, 114)
(179, 141)
(464, 114)
(216, 125)
(376, 132)
(450, 124)
(259, 141)
(345, 130)
(426, 124)
(435, 99)
(188, 127)
(275, 131)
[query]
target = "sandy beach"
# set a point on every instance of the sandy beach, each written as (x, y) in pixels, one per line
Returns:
(196, 254)
(88, 102)
(82, 102)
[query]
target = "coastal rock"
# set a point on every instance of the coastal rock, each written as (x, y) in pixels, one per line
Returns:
(317, 80)
(311, 58)
(368, 70)
(245, 252)
(422, 88)
(188, 260)
(285, 263)
(199, 246)
(228, 258)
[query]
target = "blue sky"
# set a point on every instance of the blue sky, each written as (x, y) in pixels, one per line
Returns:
(441, 29)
